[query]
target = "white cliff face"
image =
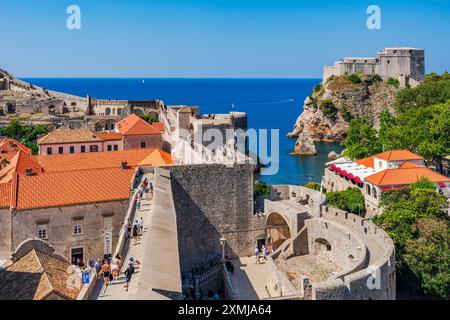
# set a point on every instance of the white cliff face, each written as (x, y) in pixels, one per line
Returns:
(346, 100)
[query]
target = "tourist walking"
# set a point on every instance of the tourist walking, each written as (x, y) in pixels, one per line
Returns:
(98, 266)
(106, 272)
(128, 274)
(135, 233)
(115, 267)
(141, 226)
(129, 228)
(256, 252)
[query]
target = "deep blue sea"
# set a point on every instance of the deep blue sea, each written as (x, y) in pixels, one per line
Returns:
(269, 103)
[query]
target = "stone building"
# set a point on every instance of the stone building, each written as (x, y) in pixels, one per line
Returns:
(75, 202)
(404, 64)
(137, 133)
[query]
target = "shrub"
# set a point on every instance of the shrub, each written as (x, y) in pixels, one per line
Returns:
(318, 87)
(261, 189)
(354, 78)
(149, 118)
(393, 82)
(313, 186)
(346, 115)
(351, 200)
(328, 108)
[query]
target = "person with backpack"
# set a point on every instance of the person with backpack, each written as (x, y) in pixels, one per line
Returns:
(128, 274)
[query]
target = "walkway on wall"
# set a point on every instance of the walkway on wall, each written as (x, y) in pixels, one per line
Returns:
(158, 276)
(249, 279)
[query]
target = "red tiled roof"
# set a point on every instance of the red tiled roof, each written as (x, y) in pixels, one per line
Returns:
(8, 145)
(397, 155)
(100, 160)
(19, 163)
(158, 126)
(133, 125)
(366, 162)
(73, 187)
(69, 136)
(5, 195)
(404, 176)
(109, 136)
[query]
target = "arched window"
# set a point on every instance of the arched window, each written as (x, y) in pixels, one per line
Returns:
(368, 189)
(108, 111)
(119, 111)
(374, 192)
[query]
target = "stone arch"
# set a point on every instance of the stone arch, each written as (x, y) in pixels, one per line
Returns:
(108, 111)
(278, 230)
(11, 108)
(153, 114)
(119, 111)
(138, 112)
(321, 244)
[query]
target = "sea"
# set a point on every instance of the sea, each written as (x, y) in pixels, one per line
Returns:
(269, 104)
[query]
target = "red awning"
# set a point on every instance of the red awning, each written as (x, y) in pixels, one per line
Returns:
(442, 185)
(400, 187)
(386, 188)
(344, 173)
(357, 179)
(338, 170)
(332, 167)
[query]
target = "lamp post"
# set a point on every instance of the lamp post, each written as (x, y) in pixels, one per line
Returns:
(222, 243)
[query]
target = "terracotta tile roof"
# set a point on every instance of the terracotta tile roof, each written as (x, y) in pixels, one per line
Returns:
(73, 187)
(69, 136)
(157, 157)
(409, 165)
(133, 125)
(404, 176)
(366, 162)
(109, 136)
(98, 160)
(5, 195)
(397, 155)
(35, 276)
(158, 126)
(19, 163)
(8, 145)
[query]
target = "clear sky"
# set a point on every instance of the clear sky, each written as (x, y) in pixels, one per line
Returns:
(212, 38)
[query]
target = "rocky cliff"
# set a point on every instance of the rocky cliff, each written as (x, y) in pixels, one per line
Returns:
(328, 111)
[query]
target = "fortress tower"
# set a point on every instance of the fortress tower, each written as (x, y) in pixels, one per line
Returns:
(404, 64)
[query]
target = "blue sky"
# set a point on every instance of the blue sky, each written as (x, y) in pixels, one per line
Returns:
(212, 38)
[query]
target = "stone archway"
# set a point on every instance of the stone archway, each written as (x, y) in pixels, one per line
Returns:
(138, 112)
(108, 111)
(278, 230)
(320, 245)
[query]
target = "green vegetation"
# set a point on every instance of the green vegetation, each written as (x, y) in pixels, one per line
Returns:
(416, 221)
(346, 115)
(261, 189)
(313, 185)
(361, 140)
(149, 118)
(23, 133)
(318, 87)
(351, 200)
(1, 76)
(393, 82)
(354, 78)
(328, 109)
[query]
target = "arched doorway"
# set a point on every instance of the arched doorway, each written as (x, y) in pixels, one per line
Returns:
(320, 245)
(277, 230)
(108, 111)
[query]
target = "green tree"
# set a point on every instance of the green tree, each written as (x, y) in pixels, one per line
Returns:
(313, 185)
(351, 200)
(361, 140)
(354, 78)
(261, 189)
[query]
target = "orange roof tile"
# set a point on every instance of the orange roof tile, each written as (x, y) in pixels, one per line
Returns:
(8, 145)
(69, 136)
(157, 157)
(5, 195)
(158, 126)
(133, 125)
(19, 163)
(100, 160)
(109, 136)
(409, 165)
(366, 162)
(73, 187)
(397, 155)
(404, 176)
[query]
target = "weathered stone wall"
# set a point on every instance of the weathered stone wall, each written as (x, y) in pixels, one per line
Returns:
(60, 222)
(214, 201)
(5, 233)
(134, 142)
(333, 182)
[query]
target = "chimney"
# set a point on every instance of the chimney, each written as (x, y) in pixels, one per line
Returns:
(29, 171)
(124, 165)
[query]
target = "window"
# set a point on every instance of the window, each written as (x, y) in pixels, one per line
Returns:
(49, 151)
(42, 231)
(374, 193)
(116, 147)
(93, 148)
(142, 145)
(83, 149)
(109, 147)
(368, 189)
(61, 150)
(72, 149)
(380, 164)
(78, 226)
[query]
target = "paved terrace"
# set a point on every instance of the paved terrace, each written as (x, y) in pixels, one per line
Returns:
(249, 279)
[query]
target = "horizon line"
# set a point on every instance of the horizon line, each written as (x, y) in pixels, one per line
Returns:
(212, 78)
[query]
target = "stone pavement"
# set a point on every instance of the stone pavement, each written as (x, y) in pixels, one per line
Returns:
(249, 278)
(116, 290)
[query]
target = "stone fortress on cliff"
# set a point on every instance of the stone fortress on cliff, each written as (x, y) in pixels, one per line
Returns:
(404, 64)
